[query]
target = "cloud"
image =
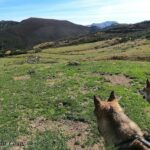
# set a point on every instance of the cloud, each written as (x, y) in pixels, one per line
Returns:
(79, 11)
(127, 11)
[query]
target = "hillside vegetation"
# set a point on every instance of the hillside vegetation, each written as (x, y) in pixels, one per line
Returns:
(46, 98)
(32, 31)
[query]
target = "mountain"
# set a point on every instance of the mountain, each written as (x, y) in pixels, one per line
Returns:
(104, 24)
(130, 28)
(121, 32)
(32, 31)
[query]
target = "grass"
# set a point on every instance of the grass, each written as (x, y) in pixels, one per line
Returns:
(56, 90)
(48, 140)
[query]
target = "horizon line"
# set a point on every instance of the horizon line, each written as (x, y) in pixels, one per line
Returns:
(20, 20)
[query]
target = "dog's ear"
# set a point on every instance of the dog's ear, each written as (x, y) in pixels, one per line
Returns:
(97, 101)
(148, 83)
(112, 96)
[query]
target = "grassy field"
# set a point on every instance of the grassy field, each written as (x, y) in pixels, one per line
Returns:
(46, 98)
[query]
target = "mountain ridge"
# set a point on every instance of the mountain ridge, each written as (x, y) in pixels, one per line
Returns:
(31, 31)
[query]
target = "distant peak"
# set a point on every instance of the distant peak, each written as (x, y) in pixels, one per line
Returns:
(104, 24)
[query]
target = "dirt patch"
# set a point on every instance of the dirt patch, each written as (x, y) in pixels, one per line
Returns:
(22, 78)
(68, 127)
(76, 130)
(119, 79)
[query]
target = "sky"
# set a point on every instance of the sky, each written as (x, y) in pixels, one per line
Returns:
(78, 11)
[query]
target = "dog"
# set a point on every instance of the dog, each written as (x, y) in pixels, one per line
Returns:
(116, 127)
(146, 91)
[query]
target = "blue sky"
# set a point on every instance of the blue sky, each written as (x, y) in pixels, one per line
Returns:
(78, 11)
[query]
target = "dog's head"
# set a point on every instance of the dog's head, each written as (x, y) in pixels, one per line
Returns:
(104, 108)
(145, 92)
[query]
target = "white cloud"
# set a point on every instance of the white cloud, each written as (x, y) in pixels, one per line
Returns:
(83, 11)
(127, 11)
(124, 11)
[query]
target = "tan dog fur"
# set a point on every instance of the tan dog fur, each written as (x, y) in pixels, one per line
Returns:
(114, 125)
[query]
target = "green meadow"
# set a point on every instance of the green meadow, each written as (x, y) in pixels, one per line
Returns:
(46, 98)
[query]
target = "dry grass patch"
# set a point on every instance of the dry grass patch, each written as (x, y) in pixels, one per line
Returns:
(22, 78)
(21, 143)
(51, 82)
(16, 148)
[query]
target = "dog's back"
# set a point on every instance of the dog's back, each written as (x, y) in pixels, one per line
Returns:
(114, 125)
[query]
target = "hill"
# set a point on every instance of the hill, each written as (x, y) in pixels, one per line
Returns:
(130, 28)
(32, 32)
(124, 32)
(29, 32)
